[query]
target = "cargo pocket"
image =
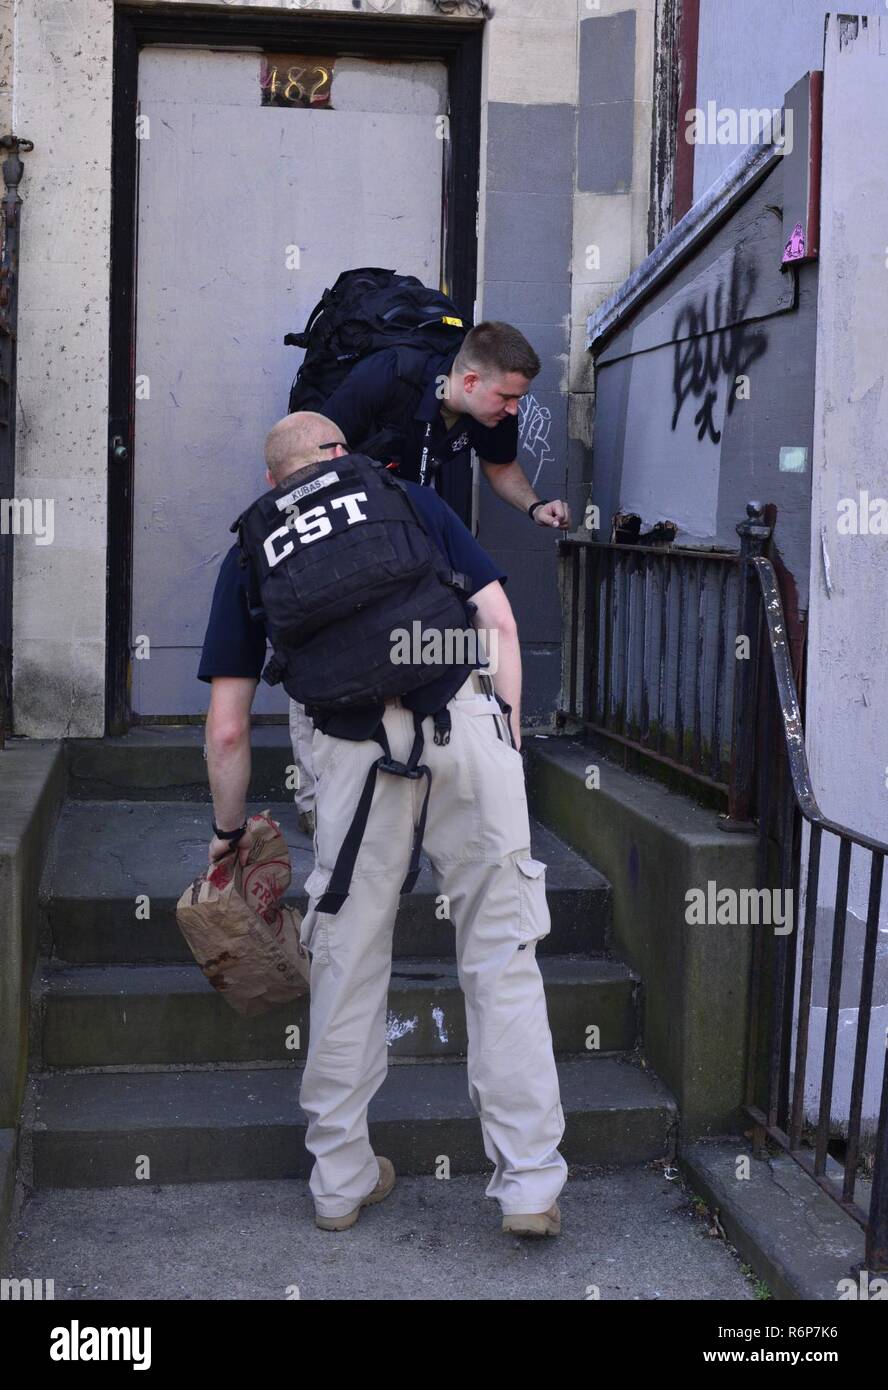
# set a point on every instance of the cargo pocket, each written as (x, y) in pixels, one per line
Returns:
(326, 753)
(313, 931)
(534, 921)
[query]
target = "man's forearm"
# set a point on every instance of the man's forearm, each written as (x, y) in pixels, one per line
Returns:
(507, 676)
(509, 481)
(228, 768)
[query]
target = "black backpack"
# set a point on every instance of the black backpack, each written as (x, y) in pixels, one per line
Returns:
(340, 561)
(366, 310)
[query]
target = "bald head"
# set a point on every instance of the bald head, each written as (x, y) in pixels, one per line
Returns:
(298, 441)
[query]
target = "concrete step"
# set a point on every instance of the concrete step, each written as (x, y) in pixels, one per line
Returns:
(165, 762)
(126, 1015)
(92, 1129)
(105, 854)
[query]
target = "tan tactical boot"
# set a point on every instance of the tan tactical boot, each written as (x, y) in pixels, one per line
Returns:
(381, 1190)
(544, 1223)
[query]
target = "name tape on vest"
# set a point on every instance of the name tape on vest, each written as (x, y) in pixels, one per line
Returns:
(306, 490)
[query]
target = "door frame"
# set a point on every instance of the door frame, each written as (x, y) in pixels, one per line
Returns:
(456, 42)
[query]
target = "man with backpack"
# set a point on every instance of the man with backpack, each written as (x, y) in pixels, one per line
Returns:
(390, 361)
(341, 557)
(440, 407)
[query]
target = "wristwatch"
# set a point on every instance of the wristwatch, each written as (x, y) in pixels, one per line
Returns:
(232, 836)
(540, 502)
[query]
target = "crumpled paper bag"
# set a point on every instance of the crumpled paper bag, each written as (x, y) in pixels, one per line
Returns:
(245, 940)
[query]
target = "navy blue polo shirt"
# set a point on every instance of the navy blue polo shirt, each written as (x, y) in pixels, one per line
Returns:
(395, 391)
(235, 643)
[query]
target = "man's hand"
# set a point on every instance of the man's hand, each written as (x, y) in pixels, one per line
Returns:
(553, 514)
(494, 615)
(219, 848)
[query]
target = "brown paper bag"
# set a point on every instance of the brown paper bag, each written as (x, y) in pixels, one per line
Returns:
(245, 940)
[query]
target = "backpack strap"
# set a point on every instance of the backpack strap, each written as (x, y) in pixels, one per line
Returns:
(300, 340)
(413, 362)
(254, 597)
(340, 879)
(454, 579)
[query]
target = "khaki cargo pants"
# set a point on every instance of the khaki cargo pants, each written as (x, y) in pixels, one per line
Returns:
(478, 841)
(301, 735)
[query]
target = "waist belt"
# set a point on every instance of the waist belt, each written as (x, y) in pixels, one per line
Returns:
(341, 877)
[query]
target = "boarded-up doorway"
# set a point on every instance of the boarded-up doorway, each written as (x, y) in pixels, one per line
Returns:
(246, 211)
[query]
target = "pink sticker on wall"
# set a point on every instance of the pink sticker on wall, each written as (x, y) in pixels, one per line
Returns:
(794, 250)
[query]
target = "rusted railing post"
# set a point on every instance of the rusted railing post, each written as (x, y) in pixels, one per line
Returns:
(754, 535)
(13, 168)
(877, 1229)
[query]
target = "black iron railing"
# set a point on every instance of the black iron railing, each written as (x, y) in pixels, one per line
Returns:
(651, 655)
(795, 840)
(684, 657)
(11, 203)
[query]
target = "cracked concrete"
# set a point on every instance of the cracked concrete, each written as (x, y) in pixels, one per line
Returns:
(799, 1239)
(630, 1234)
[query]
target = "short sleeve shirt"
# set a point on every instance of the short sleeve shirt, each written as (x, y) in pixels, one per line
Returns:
(396, 390)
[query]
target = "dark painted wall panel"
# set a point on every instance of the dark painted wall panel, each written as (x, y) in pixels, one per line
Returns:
(528, 236)
(658, 412)
(530, 149)
(527, 301)
(604, 148)
(607, 58)
(528, 232)
(606, 103)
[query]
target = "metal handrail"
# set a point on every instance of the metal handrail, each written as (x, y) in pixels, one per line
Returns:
(792, 719)
(799, 799)
(640, 651)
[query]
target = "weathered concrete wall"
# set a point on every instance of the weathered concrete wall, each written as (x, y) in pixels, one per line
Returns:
(6, 37)
(653, 846)
(62, 101)
(749, 53)
(848, 630)
(31, 793)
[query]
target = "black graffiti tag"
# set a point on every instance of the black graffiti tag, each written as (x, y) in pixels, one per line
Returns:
(705, 353)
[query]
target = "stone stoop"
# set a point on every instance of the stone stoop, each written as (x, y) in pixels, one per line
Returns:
(135, 1054)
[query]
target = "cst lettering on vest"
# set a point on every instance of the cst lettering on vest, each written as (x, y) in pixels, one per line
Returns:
(312, 525)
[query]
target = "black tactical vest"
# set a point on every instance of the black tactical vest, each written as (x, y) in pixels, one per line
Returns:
(358, 601)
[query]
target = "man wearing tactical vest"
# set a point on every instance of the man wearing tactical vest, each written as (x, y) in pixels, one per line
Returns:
(438, 407)
(428, 410)
(418, 751)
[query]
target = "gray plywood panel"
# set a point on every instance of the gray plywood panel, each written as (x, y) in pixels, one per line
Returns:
(227, 189)
(172, 671)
